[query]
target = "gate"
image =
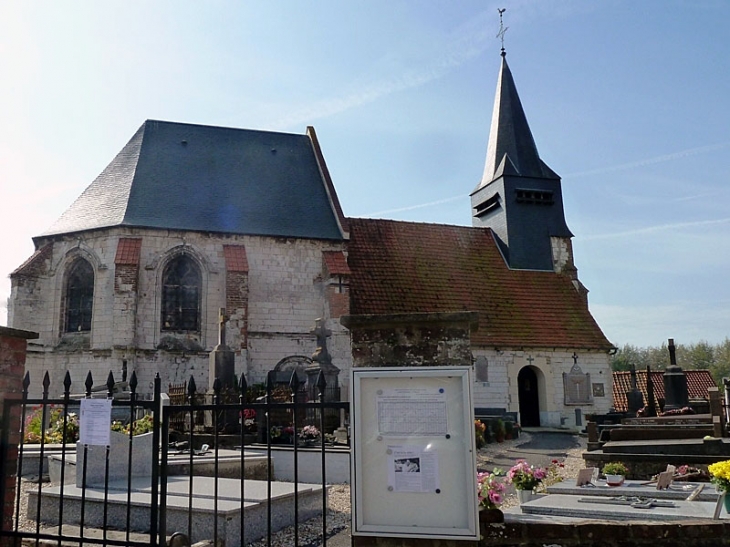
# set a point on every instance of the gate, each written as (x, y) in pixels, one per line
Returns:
(144, 489)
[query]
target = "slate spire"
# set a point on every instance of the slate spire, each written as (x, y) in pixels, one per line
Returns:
(511, 149)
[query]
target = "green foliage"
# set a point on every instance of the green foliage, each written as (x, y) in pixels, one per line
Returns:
(699, 356)
(615, 468)
(56, 432)
(141, 426)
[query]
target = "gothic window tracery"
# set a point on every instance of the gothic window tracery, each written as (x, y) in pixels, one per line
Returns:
(79, 297)
(181, 290)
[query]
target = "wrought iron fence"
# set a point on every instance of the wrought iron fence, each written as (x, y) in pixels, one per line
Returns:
(148, 489)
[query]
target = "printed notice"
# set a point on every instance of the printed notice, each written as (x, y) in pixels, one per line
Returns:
(95, 422)
(412, 469)
(406, 412)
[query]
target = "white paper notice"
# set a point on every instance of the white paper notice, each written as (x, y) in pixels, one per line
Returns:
(412, 469)
(405, 412)
(95, 422)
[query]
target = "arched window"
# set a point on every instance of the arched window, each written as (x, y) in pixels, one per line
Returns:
(79, 296)
(181, 283)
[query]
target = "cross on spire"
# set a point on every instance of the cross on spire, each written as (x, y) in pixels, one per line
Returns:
(502, 28)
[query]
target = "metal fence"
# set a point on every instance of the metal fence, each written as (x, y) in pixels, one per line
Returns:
(141, 490)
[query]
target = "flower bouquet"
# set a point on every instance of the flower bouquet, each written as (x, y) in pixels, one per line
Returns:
(490, 489)
(720, 475)
(525, 476)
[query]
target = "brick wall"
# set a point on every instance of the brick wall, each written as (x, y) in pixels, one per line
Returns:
(588, 534)
(13, 344)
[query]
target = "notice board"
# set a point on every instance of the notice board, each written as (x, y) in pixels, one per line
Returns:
(414, 467)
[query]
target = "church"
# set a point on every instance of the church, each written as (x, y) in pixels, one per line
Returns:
(192, 229)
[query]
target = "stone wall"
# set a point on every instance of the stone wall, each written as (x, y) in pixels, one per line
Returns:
(273, 306)
(13, 345)
(418, 339)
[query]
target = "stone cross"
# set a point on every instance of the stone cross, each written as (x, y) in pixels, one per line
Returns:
(321, 355)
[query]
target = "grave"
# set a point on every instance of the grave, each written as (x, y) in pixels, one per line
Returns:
(227, 509)
(661, 500)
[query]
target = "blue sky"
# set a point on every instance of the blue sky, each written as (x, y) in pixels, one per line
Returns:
(628, 101)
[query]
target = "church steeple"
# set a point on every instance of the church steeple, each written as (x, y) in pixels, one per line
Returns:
(519, 197)
(511, 149)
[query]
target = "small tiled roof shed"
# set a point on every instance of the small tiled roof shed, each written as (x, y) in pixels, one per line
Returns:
(406, 267)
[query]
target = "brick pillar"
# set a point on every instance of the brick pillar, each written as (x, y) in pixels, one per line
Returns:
(13, 345)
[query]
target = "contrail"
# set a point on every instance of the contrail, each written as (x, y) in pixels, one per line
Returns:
(623, 166)
(652, 161)
(657, 228)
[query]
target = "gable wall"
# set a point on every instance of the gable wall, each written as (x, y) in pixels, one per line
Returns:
(501, 390)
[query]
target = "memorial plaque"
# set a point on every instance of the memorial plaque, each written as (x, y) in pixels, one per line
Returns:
(585, 476)
(664, 480)
(598, 390)
(577, 386)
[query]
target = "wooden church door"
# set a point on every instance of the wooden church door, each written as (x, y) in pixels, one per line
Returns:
(528, 397)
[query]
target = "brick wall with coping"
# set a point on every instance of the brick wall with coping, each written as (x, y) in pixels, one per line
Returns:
(697, 533)
(13, 346)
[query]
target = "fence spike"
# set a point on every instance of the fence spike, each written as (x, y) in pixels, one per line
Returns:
(217, 386)
(26, 382)
(294, 382)
(67, 384)
(242, 385)
(46, 383)
(321, 382)
(110, 383)
(270, 381)
(191, 387)
(89, 384)
(133, 381)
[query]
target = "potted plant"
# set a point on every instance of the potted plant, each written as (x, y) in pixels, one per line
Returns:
(499, 431)
(490, 493)
(525, 478)
(615, 473)
(479, 437)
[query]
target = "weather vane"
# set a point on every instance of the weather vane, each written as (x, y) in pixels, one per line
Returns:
(502, 28)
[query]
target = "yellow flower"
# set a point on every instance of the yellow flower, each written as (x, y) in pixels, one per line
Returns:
(720, 470)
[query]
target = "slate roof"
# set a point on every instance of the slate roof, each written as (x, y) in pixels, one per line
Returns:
(405, 267)
(511, 149)
(697, 383)
(193, 177)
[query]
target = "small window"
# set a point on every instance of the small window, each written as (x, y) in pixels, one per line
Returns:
(79, 296)
(539, 197)
(181, 283)
(487, 205)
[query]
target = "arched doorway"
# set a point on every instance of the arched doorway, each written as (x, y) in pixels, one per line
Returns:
(529, 397)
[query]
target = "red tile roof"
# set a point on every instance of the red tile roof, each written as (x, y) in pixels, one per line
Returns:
(697, 383)
(336, 263)
(405, 267)
(128, 251)
(235, 256)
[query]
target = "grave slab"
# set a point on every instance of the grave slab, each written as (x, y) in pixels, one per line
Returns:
(676, 491)
(207, 511)
(593, 507)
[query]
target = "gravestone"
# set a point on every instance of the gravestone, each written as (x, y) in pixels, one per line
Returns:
(119, 469)
(676, 395)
